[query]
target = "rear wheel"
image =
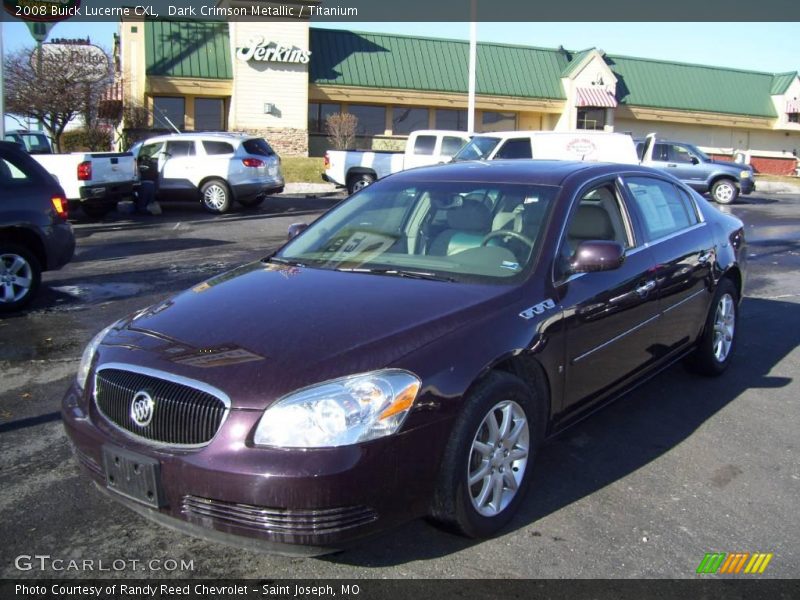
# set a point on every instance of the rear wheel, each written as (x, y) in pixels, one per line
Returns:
(96, 211)
(358, 182)
(215, 196)
(487, 463)
(724, 191)
(716, 345)
(20, 274)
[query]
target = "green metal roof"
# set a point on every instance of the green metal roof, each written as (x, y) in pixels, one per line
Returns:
(394, 61)
(188, 49)
(782, 81)
(574, 61)
(660, 84)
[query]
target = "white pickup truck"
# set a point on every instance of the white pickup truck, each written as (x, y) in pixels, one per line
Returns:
(95, 180)
(356, 169)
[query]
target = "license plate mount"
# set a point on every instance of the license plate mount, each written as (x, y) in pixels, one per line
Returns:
(133, 475)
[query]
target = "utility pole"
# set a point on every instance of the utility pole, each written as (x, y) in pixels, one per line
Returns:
(2, 89)
(473, 52)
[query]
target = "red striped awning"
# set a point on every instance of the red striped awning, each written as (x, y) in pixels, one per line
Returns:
(595, 97)
(792, 107)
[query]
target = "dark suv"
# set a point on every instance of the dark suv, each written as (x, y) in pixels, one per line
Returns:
(34, 233)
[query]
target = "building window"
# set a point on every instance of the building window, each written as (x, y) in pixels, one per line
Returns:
(407, 120)
(455, 120)
(371, 119)
(498, 121)
(794, 117)
(166, 110)
(208, 114)
(591, 118)
(317, 113)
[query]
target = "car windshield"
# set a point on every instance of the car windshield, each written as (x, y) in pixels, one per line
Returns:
(455, 231)
(477, 148)
(699, 153)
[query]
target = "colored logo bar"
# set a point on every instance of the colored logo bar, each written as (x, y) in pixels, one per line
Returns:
(734, 563)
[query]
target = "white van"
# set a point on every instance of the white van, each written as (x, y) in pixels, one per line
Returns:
(598, 146)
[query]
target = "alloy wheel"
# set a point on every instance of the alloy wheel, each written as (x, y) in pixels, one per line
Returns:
(724, 325)
(215, 196)
(498, 458)
(724, 193)
(16, 278)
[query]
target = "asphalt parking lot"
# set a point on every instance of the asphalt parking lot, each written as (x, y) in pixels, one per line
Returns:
(682, 466)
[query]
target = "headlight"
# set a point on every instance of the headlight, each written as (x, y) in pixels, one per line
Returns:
(340, 412)
(745, 174)
(88, 355)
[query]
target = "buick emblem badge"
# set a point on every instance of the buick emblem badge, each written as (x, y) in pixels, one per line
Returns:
(142, 408)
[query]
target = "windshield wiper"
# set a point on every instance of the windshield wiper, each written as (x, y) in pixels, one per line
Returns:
(283, 261)
(400, 273)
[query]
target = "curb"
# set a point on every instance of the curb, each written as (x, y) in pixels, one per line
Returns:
(777, 187)
(309, 188)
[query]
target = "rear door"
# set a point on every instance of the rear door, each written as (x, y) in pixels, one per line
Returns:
(610, 316)
(683, 249)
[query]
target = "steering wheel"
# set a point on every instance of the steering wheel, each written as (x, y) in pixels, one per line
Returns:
(501, 233)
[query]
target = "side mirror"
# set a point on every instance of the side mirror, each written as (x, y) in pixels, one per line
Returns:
(695, 160)
(597, 255)
(296, 229)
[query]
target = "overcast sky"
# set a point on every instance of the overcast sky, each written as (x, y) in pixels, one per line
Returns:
(770, 47)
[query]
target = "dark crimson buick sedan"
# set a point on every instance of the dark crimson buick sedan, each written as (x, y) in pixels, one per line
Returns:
(407, 353)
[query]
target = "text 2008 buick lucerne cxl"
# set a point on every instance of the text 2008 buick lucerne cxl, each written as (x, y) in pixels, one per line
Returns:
(407, 353)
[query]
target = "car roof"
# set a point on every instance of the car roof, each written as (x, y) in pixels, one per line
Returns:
(540, 133)
(537, 172)
(193, 135)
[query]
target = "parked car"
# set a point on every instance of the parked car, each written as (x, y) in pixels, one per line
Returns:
(356, 169)
(93, 181)
(216, 168)
(34, 233)
(33, 142)
(551, 145)
(407, 353)
(723, 180)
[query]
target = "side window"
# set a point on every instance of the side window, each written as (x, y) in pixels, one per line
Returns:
(14, 173)
(661, 152)
(148, 151)
(424, 145)
(680, 154)
(214, 148)
(515, 148)
(663, 210)
(690, 205)
(180, 148)
(599, 216)
(451, 145)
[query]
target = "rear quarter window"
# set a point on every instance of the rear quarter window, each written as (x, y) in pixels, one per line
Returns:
(258, 146)
(214, 148)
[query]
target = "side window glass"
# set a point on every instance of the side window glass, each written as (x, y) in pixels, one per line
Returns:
(148, 151)
(424, 145)
(180, 148)
(451, 145)
(663, 210)
(679, 154)
(661, 152)
(691, 207)
(516, 148)
(214, 148)
(13, 174)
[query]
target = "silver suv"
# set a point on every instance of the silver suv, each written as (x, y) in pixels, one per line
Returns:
(216, 167)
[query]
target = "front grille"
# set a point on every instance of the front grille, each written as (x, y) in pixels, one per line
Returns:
(278, 520)
(181, 415)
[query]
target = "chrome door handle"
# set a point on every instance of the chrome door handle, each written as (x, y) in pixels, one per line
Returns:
(646, 288)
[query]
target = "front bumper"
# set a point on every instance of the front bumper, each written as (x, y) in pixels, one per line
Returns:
(286, 501)
(747, 186)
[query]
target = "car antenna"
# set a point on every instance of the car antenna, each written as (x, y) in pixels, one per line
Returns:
(167, 119)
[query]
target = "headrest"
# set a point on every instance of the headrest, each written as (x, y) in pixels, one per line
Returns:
(472, 215)
(591, 223)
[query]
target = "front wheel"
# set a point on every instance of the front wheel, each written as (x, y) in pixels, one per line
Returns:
(724, 191)
(358, 182)
(20, 274)
(715, 346)
(487, 463)
(215, 196)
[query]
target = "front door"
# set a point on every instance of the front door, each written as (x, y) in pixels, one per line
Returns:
(177, 166)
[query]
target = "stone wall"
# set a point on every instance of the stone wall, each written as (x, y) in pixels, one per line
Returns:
(766, 165)
(286, 142)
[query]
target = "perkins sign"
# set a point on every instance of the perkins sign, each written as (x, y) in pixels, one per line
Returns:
(261, 50)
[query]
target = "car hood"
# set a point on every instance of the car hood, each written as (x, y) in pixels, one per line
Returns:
(731, 165)
(264, 330)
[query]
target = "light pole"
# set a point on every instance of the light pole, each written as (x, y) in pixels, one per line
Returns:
(2, 92)
(473, 54)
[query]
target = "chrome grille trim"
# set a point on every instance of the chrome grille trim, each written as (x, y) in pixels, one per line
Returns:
(278, 520)
(190, 412)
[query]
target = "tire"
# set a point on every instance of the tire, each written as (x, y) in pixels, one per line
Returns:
(482, 509)
(724, 191)
(215, 195)
(359, 181)
(20, 275)
(96, 211)
(252, 202)
(718, 340)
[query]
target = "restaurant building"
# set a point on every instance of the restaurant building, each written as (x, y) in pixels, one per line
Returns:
(281, 79)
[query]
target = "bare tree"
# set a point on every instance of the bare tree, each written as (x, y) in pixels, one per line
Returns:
(341, 129)
(46, 91)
